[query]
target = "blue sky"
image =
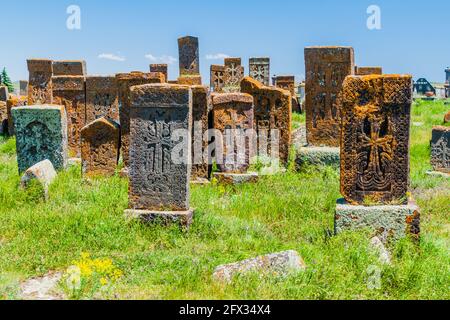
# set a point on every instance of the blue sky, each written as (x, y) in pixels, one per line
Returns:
(414, 38)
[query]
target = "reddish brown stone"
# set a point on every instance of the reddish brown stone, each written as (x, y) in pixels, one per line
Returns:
(272, 111)
(447, 117)
(440, 149)
(326, 69)
(162, 68)
(40, 81)
(365, 71)
(217, 78)
(189, 58)
(199, 127)
(234, 73)
(100, 148)
(375, 139)
(124, 82)
(190, 80)
(14, 101)
(69, 91)
(69, 68)
(101, 98)
(233, 111)
(286, 83)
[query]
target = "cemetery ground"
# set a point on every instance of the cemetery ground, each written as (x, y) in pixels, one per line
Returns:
(83, 224)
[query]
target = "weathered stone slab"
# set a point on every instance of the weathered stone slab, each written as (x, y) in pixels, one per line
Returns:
(440, 149)
(365, 71)
(232, 115)
(101, 98)
(69, 68)
(272, 117)
(200, 125)
(4, 94)
(190, 80)
(23, 88)
(11, 103)
(189, 56)
(375, 139)
(43, 172)
(69, 91)
(387, 222)
(217, 78)
(326, 69)
(40, 87)
(160, 166)
(318, 156)
(286, 83)
(183, 218)
(3, 118)
(234, 73)
(259, 69)
(124, 82)
(279, 264)
(100, 142)
(41, 133)
(235, 178)
(162, 68)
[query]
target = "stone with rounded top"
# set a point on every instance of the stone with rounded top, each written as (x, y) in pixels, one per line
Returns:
(43, 172)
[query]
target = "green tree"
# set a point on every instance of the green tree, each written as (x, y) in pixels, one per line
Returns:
(6, 81)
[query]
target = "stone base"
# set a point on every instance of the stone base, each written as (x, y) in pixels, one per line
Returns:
(201, 181)
(183, 218)
(438, 174)
(318, 156)
(387, 222)
(236, 178)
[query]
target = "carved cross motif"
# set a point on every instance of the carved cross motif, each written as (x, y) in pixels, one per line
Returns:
(235, 73)
(218, 79)
(159, 144)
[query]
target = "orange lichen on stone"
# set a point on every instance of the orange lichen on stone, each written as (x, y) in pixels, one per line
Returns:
(12, 102)
(195, 80)
(40, 81)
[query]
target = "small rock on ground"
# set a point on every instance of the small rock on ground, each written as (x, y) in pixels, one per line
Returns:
(43, 288)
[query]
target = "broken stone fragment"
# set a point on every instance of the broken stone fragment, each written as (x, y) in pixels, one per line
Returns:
(43, 172)
(281, 264)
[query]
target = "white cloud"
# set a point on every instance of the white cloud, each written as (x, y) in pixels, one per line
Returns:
(216, 56)
(110, 56)
(162, 59)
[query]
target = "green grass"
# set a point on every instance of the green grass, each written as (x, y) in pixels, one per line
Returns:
(291, 211)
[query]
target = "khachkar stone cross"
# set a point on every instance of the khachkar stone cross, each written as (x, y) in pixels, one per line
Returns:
(234, 73)
(101, 98)
(100, 141)
(440, 150)
(217, 80)
(160, 67)
(259, 69)
(272, 111)
(124, 82)
(375, 115)
(69, 68)
(40, 81)
(189, 61)
(160, 153)
(41, 134)
(326, 69)
(69, 91)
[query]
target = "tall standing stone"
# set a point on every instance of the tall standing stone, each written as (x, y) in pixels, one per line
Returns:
(375, 139)
(200, 126)
(189, 56)
(234, 73)
(100, 141)
(217, 78)
(69, 91)
(101, 98)
(4, 94)
(69, 68)
(163, 68)
(41, 133)
(159, 158)
(259, 69)
(272, 114)
(326, 69)
(440, 149)
(365, 71)
(40, 87)
(124, 82)
(233, 114)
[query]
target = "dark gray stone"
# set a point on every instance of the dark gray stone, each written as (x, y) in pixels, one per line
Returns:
(440, 149)
(259, 69)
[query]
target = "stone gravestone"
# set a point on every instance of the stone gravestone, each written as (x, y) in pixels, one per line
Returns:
(365, 71)
(189, 61)
(160, 166)
(41, 133)
(69, 68)
(375, 156)
(3, 118)
(326, 69)
(233, 118)
(4, 94)
(259, 69)
(100, 142)
(217, 78)
(440, 149)
(272, 115)
(40, 87)
(101, 98)
(163, 68)
(288, 83)
(124, 82)
(69, 91)
(11, 103)
(23, 85)
(234, 73)
(200, 96)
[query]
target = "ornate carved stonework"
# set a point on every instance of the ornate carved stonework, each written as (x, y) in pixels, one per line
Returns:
(199, 127)
(440, 149)
(326, 69)
(101, 98)
(217, 80)
(189, 56)
(259, 69)
(375, 139)
(234, 73)
(40, 82)
(158, 181)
